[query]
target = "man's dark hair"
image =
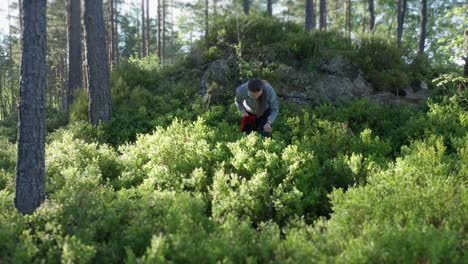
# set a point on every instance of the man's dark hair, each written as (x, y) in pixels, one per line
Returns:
(255, 85)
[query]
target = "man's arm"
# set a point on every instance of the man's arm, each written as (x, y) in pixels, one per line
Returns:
(274, 105)
(238, 100)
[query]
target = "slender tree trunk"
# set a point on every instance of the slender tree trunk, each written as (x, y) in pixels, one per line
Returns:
(115, 38)
(2, 104)
(10, 63)
(270, 8)
(323, 15)
(246, 6)
(422, 26)
(371, 16)
(159, 33)
(207, 24)
(400, 20)
(310, 16)
(163, 54)
(172, 32)
(100, 108)
(148, 29)
(348, 23)
(74, 50)
(111, 33)
(30, 167)
(143, 30)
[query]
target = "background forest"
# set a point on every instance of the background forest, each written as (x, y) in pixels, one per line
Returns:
(165, 176)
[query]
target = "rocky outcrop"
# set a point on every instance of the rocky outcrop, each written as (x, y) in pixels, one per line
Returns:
(214, 83)
(337, 81)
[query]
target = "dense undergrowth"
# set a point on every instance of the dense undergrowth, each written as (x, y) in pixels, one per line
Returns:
(171, 180)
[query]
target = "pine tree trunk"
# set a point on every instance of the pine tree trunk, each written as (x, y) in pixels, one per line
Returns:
(74, 50)
(323, 15)
(310, 16)
(10, 64)
(246, 6)
(371, 16)
(2, 103)
(148, 29)
(270, 8)
(30, 167)
(100, 108)
(111, 33)
(143, 30)
(163, 35)
(422, 26)
(400, 20)
(115, 38)
(159, 32)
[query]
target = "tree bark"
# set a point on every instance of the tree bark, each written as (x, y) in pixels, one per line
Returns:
(159, 33)
(371, 16)
(30, 167)
(422, 26)
(163, 52)
(323, 15)
(74, 50)
(148, 29)
(115, 38)
(246, 6)
(111, 33)
(143, 29)
(100, 108)
(310, 16)
(400, 20)
(270, 8)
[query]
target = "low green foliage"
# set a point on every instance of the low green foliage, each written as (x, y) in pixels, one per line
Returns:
(170, 180)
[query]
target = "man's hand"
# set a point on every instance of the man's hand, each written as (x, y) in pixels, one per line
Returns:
(267, 127)
(244, 113)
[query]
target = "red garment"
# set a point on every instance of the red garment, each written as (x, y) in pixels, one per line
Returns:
(248, 121)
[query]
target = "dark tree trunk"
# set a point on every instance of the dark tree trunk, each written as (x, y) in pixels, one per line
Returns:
(270, 7)
(348, 24)
(246, 6)
(422, 26)
(100, 108)
(371, 16)
(323, 14)
(400, 20)
(207, 24)
(143, 30)
(310, 16)
(159, 32)
(30, 167)
(74, 50)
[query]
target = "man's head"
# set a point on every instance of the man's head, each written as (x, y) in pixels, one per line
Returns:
(255, 88)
